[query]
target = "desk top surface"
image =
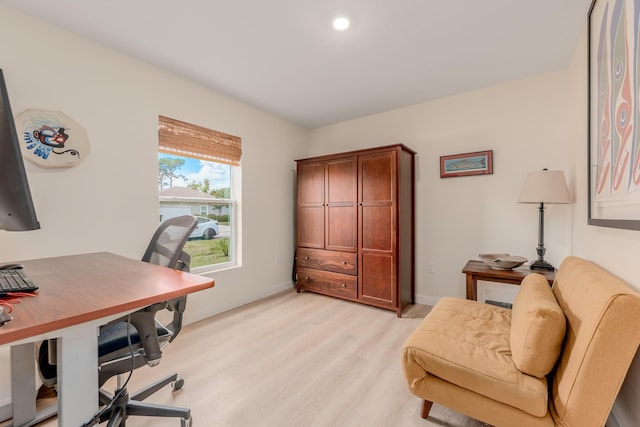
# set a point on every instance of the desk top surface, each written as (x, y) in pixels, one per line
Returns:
(80, 288)
(479, 268)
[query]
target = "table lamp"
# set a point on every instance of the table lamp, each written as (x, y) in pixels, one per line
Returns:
(542, 187)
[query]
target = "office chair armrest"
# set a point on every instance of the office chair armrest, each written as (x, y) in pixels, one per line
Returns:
(184, 262)
(177, 305)
(145, 323)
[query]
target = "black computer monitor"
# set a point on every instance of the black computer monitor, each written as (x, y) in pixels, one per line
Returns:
(16, 206)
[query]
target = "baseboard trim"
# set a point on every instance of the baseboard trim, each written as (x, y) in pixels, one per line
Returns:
(230, 304)
(6, 411)
(426, 300)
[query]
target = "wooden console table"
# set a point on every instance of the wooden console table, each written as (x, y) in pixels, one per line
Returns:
(478, 270)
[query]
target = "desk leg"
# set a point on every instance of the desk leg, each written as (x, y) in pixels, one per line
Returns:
(77, 376)
(472, 288)
(23, 384)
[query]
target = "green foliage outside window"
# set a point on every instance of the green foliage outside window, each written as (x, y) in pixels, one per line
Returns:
(208, 252)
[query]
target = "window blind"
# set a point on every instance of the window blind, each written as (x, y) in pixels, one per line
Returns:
(188, 140)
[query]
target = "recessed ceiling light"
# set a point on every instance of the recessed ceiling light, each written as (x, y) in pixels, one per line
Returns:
(341, 22)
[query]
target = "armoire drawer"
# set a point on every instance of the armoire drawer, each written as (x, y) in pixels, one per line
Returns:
(328, 283)
(339, 262)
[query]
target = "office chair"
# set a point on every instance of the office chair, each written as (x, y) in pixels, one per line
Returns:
(120, 348)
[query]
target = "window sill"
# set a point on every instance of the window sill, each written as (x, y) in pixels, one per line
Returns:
(209, 269)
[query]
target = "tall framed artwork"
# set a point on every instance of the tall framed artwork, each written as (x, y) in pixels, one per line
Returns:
(614, 114)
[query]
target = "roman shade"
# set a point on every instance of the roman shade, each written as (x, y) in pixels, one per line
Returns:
(189, 140)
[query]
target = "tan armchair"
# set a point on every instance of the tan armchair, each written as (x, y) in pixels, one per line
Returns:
(558, 358)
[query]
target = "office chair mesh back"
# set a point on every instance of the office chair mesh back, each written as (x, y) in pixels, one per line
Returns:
(167, 242)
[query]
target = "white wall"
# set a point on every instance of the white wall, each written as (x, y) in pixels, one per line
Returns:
(524, 123)
(118, 99)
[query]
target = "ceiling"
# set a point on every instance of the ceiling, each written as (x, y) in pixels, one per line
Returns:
(284, 57)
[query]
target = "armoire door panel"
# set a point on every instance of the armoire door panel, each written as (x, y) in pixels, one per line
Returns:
(341, 181)
(340, 201)
(341, 228)
(377, 177)
(377, 228)
(311, 204)
(310, 226)
(377, 282)
(311, 183)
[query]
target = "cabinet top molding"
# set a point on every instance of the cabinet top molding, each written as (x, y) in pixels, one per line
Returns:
(359, 151)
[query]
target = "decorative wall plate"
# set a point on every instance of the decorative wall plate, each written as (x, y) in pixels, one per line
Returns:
(51, 139)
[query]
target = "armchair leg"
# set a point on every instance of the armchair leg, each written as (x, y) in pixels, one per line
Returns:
(426, 407)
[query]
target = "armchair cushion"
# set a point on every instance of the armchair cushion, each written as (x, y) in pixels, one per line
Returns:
(537, 327)
(467, 343)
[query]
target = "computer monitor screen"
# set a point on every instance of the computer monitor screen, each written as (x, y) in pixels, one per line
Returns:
(16, 206)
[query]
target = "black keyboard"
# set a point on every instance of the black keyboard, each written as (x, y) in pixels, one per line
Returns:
(15, 281)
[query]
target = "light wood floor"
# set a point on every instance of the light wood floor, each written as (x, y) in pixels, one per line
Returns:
(294, 360)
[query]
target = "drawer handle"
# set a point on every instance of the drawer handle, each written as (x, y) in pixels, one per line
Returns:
(344, 285)
(344, 262)
(306, 278)
(306, 257)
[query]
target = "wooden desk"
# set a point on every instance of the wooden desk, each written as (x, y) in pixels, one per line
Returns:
(77, 294)
(478, 270)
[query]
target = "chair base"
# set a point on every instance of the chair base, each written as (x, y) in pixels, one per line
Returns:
(126, 405)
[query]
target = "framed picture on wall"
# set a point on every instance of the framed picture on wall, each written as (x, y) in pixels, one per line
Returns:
(476, 163)
(614, 114)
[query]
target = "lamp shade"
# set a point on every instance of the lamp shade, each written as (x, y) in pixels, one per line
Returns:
(545, 186)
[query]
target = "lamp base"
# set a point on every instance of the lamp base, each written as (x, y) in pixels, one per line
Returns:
(541, 264)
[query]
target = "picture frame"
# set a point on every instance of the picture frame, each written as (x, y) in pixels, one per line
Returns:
(466, 164)
(613, 81)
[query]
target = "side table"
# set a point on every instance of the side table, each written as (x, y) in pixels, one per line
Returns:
(478, 270)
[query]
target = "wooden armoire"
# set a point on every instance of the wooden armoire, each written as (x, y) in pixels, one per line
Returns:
(355, 226)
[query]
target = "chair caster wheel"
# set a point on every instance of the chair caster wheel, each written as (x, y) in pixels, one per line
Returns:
(177, 384)
(186, 422)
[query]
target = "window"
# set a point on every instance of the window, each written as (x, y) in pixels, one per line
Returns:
(197, 168)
